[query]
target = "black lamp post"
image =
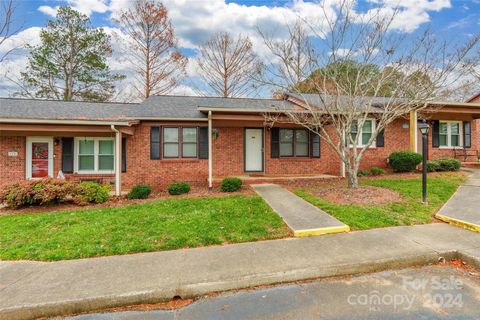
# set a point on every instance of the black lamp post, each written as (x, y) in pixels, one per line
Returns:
(423, 127)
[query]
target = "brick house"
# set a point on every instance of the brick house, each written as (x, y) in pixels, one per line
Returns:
(197, 139)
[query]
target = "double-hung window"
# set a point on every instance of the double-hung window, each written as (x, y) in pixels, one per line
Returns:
(450, 134)
(364, 134)
(180, 142)
(94, 155)
(293, 143)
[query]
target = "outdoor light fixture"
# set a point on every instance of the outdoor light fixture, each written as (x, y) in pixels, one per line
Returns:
(424, 127)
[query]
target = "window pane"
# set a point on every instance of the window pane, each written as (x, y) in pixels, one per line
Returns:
(86, 146)
(455, 128)
(443, 127)
(443, 140)
(365, 137)
(455, 140)
(367, 126)
(170, 135)
(286, 149)
(86, 163)
(301, 149)
(353, 133)
(105, 162)
(189, 150)
(170, 150)
(105, 147)
(301, 136)
(190, 135)
(286, 135)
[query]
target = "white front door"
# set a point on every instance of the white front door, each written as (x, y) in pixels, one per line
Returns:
(39, 157)
(254, 150)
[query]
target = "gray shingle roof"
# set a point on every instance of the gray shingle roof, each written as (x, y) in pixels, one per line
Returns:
(62, 110)
(155, 107)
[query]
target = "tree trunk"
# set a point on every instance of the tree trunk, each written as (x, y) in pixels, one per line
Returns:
(352, 179)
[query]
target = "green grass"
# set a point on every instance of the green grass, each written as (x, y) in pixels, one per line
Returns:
(407, 212)
(159, 225)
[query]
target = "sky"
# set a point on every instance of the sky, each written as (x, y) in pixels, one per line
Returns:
(196, 20)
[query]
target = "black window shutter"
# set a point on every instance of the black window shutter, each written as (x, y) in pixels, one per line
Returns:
(436, 134)
(203, 143)
(380, 141)
(67, 155)
(314, 145)
(124, 154)
(275, 142)
(467, 134)
(155, 143)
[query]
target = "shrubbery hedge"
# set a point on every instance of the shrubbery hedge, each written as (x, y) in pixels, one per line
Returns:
(404, 161)
(140, 191)
(177, 188)
(443, 164)
(48, 191)
(231, 184)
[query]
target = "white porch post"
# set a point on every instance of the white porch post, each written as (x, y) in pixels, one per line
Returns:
(210, 160)
(118, 161)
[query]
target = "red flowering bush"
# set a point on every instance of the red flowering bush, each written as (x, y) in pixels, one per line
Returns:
(48, 191)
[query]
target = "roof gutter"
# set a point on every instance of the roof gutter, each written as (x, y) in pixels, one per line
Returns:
(77, 122)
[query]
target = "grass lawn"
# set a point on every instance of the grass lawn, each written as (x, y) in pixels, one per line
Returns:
(406, 212)
(158, 225)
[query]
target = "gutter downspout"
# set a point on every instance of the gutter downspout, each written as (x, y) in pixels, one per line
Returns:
(210, 160)
(118, 160)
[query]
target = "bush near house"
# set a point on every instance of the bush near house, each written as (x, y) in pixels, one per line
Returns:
(443, 164)
(49, 191)
(231, 184)
(178, 188)
(90, 192)
(140, 191)
(376, 171)
(404, 161)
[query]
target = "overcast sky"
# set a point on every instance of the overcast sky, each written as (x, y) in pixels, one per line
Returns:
(196, 20)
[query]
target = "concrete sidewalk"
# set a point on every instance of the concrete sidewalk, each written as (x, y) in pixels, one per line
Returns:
(463, 208)
(33, 289)
(302, 217)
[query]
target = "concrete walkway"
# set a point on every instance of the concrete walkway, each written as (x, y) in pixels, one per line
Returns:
(463, 209)
(302, 217)
(33, 289)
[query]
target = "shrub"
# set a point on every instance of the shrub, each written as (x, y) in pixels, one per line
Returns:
(404, 161)
(376, 171)
(448, 164)
(36, 192)
(362, 173)
(90, 192)
(140, 191)
(177, 188)
(231, 184)
(433, 166)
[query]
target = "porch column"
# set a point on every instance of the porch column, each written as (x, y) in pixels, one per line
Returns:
(210, 160)
(118, 161)
(413, 131)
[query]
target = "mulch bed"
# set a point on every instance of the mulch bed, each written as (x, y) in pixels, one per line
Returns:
(363, 195)
(196, 192)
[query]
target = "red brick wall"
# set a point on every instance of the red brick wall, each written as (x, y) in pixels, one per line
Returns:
(12, 168)
(227, 158)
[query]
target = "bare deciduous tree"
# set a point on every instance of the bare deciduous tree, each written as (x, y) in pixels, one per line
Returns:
(348, 110)
(293, 55)
(6, 28)
(152, 48)
(228, 65)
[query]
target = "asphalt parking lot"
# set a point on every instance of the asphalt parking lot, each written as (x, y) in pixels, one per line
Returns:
(432, 292)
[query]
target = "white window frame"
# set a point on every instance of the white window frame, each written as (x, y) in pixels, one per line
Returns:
(360, 143)
(449, 134)
(95, 155)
